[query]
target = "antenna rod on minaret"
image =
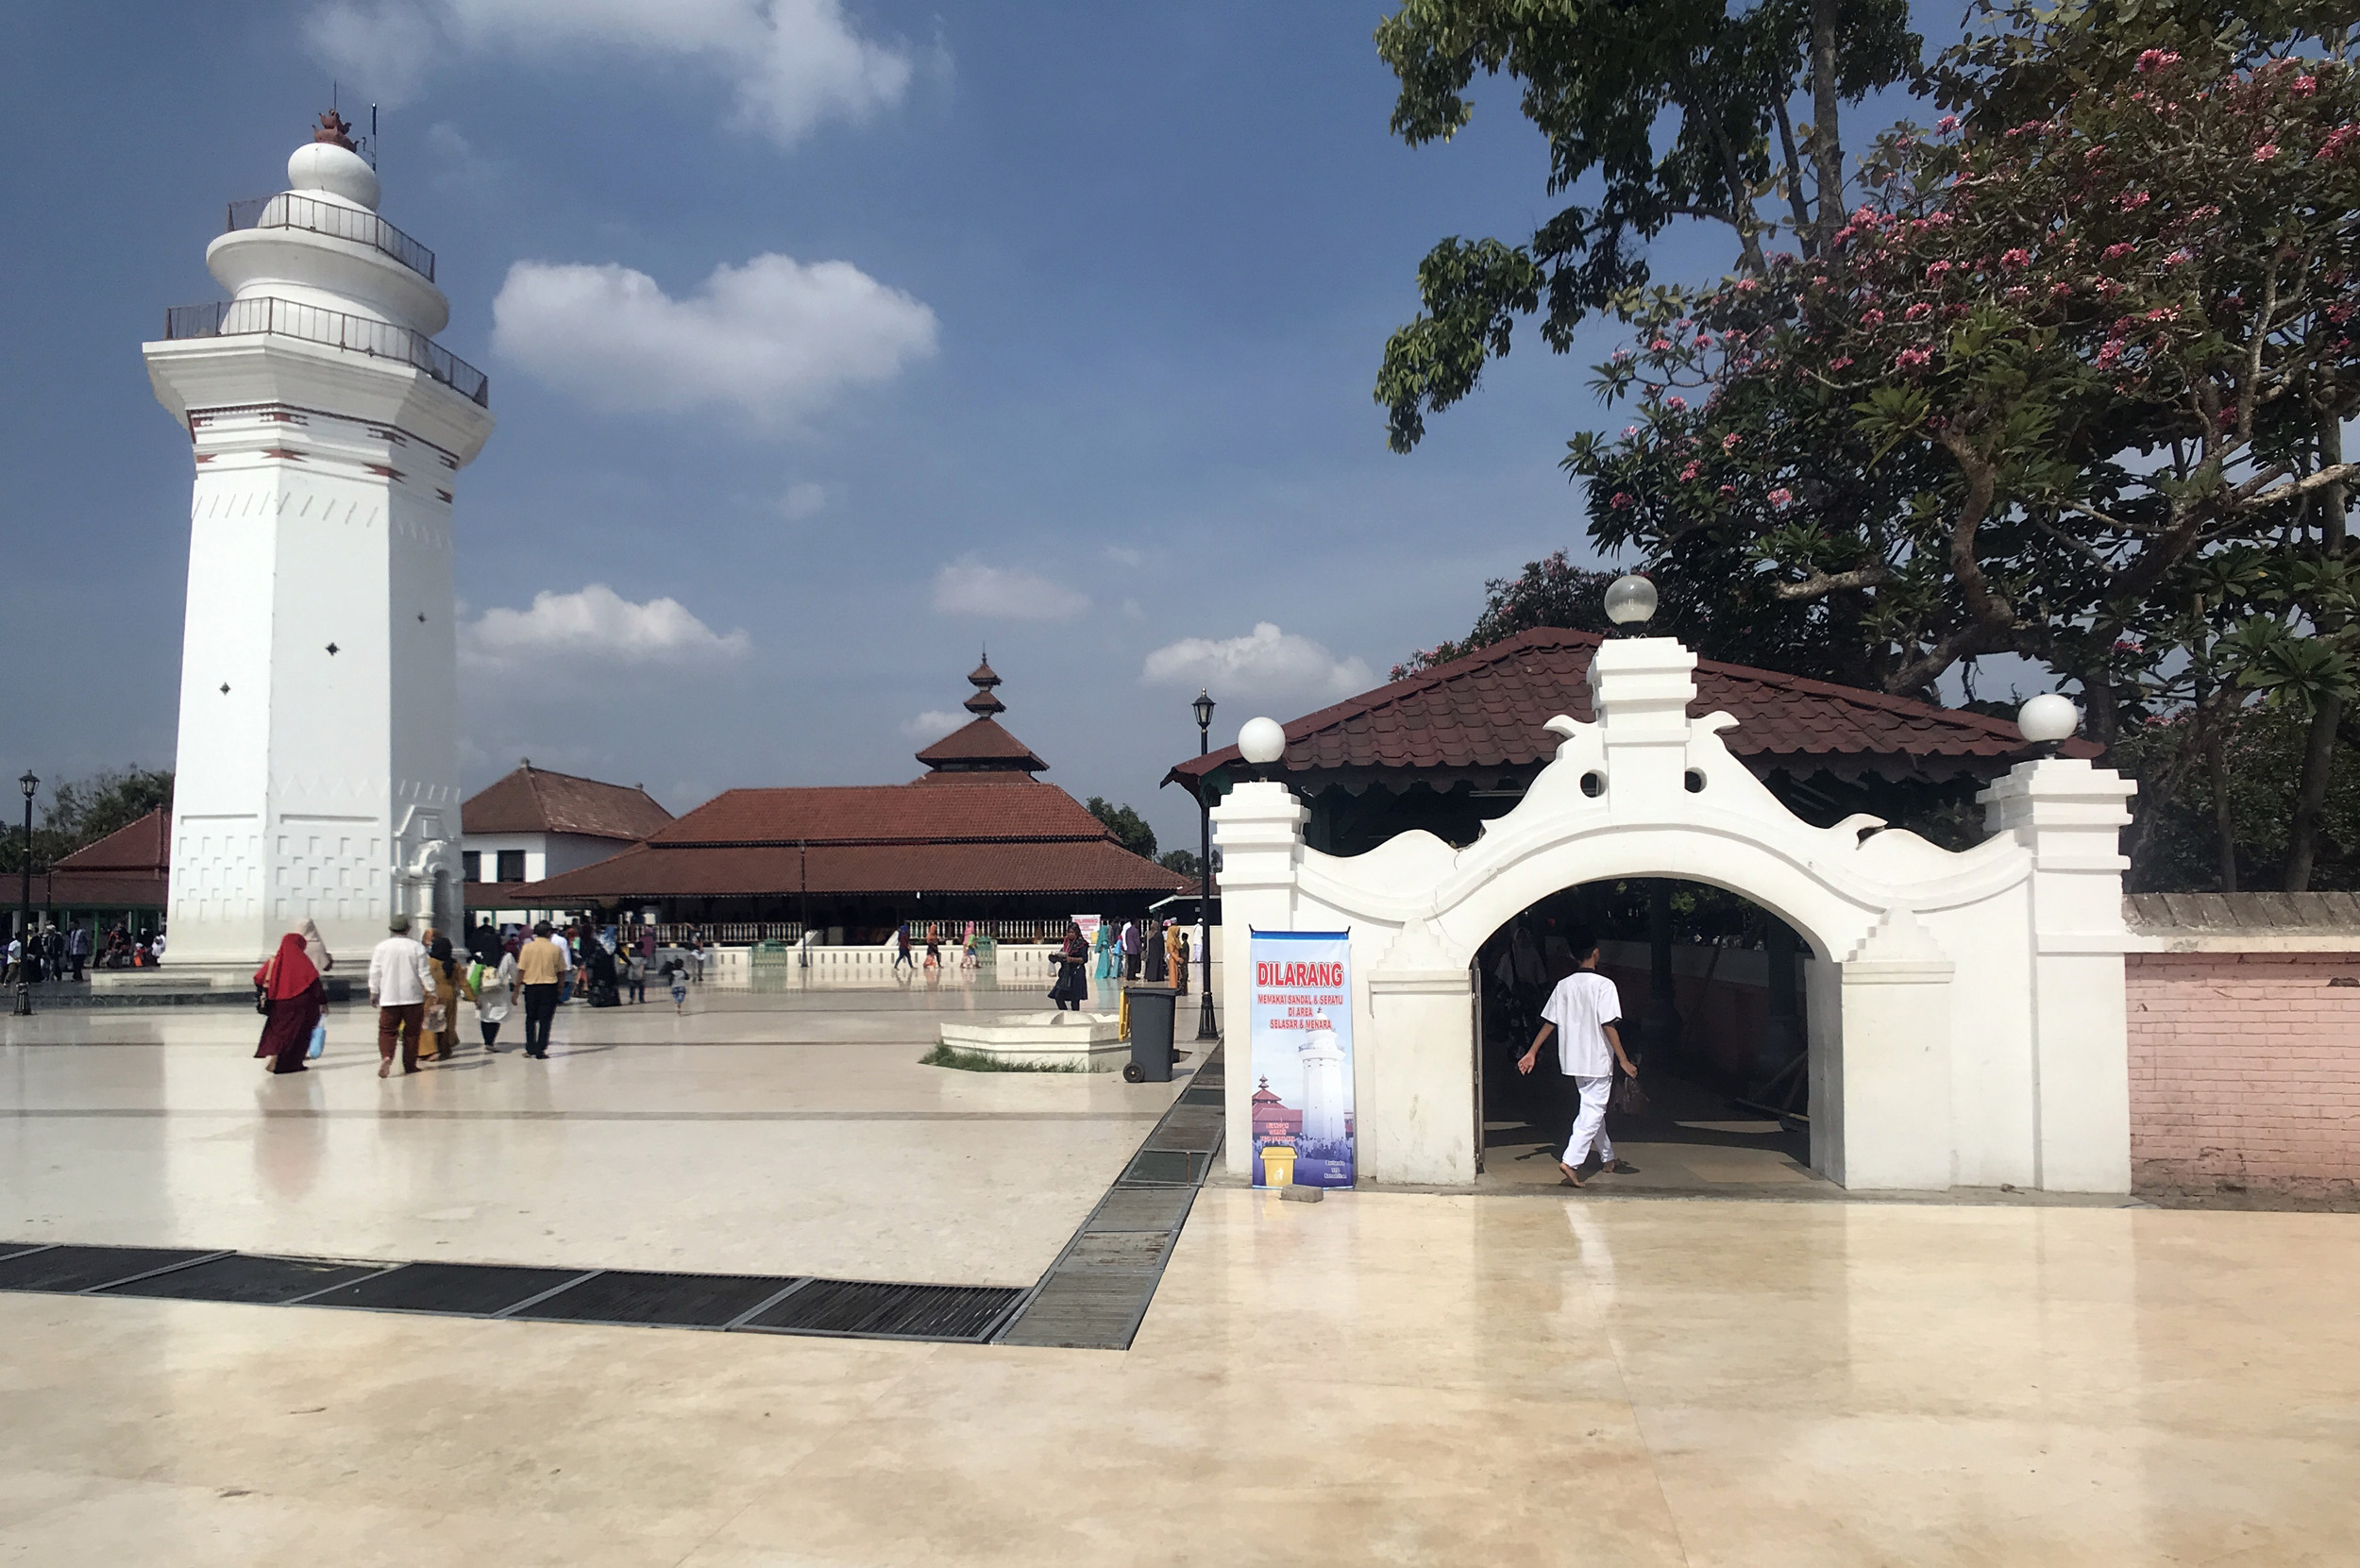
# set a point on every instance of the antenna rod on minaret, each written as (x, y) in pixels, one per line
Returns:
(373, 153)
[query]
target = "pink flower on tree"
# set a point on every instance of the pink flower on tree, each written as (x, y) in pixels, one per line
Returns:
(1934, 271)
(1621, 500)
(2136, 200)
(1842, 361)
(2179, 257)
(1676, 404)
(1659, 345)
(1729, 443)
(2118, 252)
(2157, 60)
(2110, 355)
(1688, 473)
(1944, 125)
(2018, 256)
(1872, 318)
(1918, 312)
(2267, 151)
(1911, 358)
(2304, 86)
(1781, 495)
(2060, 291)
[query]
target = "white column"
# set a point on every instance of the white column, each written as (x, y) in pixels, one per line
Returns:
(2071, 817)
(1259, 831)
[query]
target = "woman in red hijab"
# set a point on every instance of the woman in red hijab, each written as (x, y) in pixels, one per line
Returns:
(294, 997)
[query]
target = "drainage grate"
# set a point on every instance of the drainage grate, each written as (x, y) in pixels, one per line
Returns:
(1117, 1249)
(71, 1269)
(466, 1290)
(671, 1301)
(1091, 1311)
(1164, 1168)
(1140, 1208)
(842, 1307)
(1202, 1093)
(257, 1281)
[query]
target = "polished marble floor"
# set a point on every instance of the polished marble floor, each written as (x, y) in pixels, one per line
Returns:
(785, 1135)
(1381, 1377)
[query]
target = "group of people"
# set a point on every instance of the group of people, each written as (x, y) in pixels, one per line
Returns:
(55, 954)
(1155, 952)
(417, 984)
(905, 951)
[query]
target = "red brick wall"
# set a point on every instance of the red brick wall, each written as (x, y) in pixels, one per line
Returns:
(2245, 1073)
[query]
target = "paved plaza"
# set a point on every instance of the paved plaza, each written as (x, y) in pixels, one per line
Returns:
(1522, 1376)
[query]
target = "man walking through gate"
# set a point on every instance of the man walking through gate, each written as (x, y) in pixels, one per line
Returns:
(1583, 1011)
(399, 982)
(542, 965)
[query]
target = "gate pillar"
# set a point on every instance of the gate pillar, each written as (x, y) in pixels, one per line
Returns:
(1890, 1127)
(1259, 831)
(1416, 1114)
(2071, 816)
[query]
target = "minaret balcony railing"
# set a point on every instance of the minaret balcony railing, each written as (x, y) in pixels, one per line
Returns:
(357, 334)
(327, 217)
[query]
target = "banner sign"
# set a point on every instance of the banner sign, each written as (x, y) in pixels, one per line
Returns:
(1301, 1040)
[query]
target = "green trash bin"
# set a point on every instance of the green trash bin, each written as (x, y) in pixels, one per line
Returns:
(1152, 1054)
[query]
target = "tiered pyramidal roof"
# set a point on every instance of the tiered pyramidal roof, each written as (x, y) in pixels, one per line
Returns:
(980, 745)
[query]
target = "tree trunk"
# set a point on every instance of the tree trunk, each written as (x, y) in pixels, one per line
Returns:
(2319, 753)
(2224, 817)
(1826, 149)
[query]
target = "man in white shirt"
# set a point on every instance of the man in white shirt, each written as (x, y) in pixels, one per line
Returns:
(1582, 1013)
(399, 982)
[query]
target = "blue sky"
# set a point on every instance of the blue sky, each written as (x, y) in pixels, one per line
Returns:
(1089, 382)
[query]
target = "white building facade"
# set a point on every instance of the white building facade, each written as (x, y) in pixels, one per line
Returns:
(1966, 1015)
(317, 766)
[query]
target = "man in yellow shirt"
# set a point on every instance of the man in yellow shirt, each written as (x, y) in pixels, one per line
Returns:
(542, 965)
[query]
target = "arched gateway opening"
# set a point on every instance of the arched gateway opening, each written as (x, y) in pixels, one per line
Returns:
(1963, 1011)
(1713, 993)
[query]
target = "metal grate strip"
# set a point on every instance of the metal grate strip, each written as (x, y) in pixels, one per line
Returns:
(670, 1301)
(71, 1270)
(967, 1312)
(461, 1289)
(255, 1281)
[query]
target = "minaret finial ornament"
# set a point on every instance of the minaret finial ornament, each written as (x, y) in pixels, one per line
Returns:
(335, 129)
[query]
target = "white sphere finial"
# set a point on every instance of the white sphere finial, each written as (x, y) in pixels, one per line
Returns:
(1630, 599)
(2048, 719)
(328, 162)
(1261, 741)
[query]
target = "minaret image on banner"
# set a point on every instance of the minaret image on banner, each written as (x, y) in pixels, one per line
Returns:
(317, 766)
(1324, 1101)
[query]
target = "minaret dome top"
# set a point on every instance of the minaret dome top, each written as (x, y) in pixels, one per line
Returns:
(328, 166)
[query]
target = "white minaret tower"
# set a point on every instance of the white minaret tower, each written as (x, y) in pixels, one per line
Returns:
(318, 757)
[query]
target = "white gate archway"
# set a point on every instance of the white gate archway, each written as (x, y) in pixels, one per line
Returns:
(1965, 1016)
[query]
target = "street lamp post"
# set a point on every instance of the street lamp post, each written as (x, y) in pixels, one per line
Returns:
(24, 903)
(1205, 1028)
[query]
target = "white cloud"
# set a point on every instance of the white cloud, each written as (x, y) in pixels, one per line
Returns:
(803, 501)
(968, 587)
(793, 62)
(933, 724)
(1122, 555)
(775, 339)
(1265, 661)
(596, 621)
